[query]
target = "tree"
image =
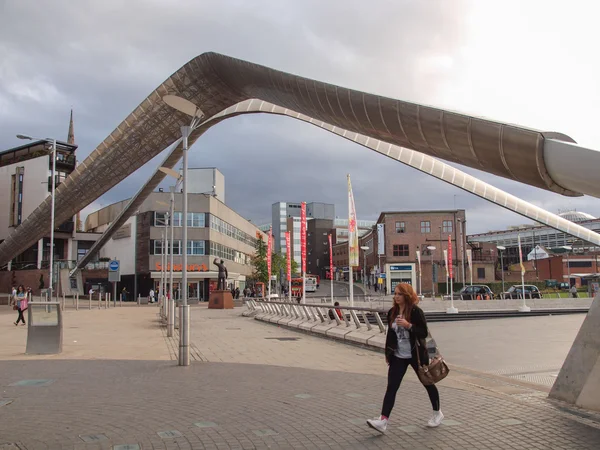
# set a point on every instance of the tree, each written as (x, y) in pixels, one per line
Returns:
(278, 263)
(259, 261)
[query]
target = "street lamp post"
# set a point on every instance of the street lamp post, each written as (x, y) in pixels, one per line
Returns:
(53, 195)
(568, 248)
(364, 248)
(501, 249)
(431, 248)
(186, 107)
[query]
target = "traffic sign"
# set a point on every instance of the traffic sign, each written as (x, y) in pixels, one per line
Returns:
(114, 272)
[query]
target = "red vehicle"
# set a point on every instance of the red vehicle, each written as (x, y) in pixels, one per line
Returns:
(296, 287)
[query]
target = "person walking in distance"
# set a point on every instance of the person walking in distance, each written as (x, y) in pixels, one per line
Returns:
(21, 302)
(406, 326)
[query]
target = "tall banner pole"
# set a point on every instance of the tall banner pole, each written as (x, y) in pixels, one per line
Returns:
(289, 264)
(352, 240)
(303, 248)
(523, 307)
(331, 266)
(446, 264)
(452, 309)
(269, 251)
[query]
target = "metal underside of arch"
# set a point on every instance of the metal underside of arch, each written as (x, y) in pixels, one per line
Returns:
(224, 87)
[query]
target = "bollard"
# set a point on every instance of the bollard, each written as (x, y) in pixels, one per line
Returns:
(139, 299)
(90, 301)
(63, 302)
(99, 299)
(107, 300)
(77, 301)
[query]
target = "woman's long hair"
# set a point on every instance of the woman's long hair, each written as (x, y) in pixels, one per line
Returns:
(410, 300)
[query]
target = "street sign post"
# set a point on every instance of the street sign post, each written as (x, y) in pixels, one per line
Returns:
(114, 276)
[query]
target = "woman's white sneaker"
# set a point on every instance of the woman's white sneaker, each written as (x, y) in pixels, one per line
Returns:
(436, 419)
(378, 424)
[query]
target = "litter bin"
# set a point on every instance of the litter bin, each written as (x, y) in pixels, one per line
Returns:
(44, 328)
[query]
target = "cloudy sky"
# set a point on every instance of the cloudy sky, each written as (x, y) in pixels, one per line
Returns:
(533, 63)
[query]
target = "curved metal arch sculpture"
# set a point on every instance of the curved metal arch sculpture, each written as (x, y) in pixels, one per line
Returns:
(217, 83)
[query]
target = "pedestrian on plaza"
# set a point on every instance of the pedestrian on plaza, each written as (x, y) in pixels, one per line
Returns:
(573, 291)
(237, 293)
(20, 304)
(151, 296)
(13, 293)
(401, 351)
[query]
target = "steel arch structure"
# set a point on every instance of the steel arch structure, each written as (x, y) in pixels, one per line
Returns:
(221, 85)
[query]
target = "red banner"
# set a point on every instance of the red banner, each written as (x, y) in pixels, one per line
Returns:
(330, 258)
(269, 252)
(450, 266)
(288, 252)
(303, 236)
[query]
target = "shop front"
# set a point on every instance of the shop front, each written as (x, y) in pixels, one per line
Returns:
(399, 273)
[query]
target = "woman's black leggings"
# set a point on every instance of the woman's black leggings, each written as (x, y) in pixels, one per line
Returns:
(20, 318)
(396, 372)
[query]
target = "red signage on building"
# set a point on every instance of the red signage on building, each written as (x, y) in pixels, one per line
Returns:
(178, 267)
(450, 266)
(303, 235)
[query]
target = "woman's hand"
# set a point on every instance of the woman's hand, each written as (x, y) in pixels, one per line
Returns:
(402, 323)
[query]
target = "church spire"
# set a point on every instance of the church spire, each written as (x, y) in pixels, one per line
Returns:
(71, 136)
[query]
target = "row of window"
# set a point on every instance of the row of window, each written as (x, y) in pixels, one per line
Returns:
(193, 247)
(194, 220)
(221, 251)
(229, 230)
(425, 226)
(198, 248)
(198, 220)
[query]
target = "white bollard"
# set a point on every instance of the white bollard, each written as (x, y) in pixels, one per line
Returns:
(63, 301)
(90, 301)
(99, 300)
(139, 299)
(77, 301)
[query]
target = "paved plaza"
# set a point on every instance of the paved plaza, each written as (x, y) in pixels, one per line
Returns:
(255, 385)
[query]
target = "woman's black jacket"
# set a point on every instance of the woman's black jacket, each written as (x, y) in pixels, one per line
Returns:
(417, 332)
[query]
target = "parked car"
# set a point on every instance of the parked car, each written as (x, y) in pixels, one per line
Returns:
(475, 292)
(516, 291)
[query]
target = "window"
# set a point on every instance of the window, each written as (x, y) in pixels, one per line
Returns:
(481, 273)
(195, 220)
(447, 226)
(158, 247)
(400, 227)
(400, 250)
(160, 219)
(177, 219)
(223, 227)
(580, 264)
(425, 226)
(195, 247)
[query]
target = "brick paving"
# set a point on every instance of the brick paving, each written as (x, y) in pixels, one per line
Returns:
(251, 392)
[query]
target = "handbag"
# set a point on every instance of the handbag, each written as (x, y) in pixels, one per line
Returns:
(436, 371)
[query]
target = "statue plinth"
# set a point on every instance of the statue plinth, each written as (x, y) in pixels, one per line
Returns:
(220, 300)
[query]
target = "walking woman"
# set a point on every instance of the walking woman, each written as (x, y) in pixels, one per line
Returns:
(406, 327)
(21, 304)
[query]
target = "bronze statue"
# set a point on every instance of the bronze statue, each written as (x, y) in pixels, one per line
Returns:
(222, 274)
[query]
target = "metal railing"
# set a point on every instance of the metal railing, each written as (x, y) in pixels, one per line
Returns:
(349, 316)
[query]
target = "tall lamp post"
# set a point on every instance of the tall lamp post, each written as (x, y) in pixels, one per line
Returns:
(186, 107)
(364, 248)
(53, 195)
(568, 248)
(501, 250)
(431, 248)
